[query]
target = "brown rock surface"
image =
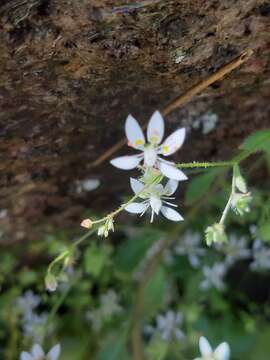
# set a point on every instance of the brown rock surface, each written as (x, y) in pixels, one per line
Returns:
(71, 71)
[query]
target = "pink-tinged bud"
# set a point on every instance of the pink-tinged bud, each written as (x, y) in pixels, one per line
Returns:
(86, 223)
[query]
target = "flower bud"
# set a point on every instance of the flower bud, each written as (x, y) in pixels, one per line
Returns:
(106, 228)
(86, 223)
(103, 231)
(51, 282)
(240, 203)
(215, 234)
(240, 182)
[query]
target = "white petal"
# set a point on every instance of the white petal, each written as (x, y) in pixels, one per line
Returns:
(134, 133)
(136, 185)
(205, 347)
(155, 128)
(54, 353)
(171, 214)
(171, 171)
(222, 352)
(173, 142)
(126, 162)
(25, 356)
(37, 352)
(156, 204)
(171, 187)
(136, 208)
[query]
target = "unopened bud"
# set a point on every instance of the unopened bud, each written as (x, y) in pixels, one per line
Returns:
(215, 234)
(87, 223)
(240, 203)
(51, 282)
(240, 182)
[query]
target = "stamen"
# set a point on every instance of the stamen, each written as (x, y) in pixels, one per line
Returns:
(152, 216)
(165, 149)
(138, 142)
(169, 203)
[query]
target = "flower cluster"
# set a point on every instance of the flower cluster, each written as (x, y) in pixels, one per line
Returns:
(167, 326)
(32, 322)
(149, 187)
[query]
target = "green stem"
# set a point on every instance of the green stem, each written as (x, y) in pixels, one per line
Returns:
(196, 164)
(82, 238)
(57, 259)
(228, 205)
(55, 309)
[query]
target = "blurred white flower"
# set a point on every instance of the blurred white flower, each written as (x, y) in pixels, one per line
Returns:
(190, 246)
(150, 151)
(207, 122)
(109, 303)
(33, 325)
(109, 306)
(234, 249)
(213, 277)
(222, 352)
(168, 326)
(154, 198)
(28, 302)
(3, 213)
(37, 353)
(261, 255)
(87, 185)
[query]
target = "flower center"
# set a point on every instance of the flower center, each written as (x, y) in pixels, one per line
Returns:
(150, 155)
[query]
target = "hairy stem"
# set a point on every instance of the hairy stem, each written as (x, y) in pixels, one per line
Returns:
(196, 164)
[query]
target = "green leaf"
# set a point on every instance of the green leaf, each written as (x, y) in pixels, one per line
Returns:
(199, 186)
(115, 347)
(259, 140)
(157, 349)
(132, 251)
(154, 292)
(264, 231)
(95, 258)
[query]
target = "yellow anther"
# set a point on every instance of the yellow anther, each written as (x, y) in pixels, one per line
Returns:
(138, 142)
(165, 149)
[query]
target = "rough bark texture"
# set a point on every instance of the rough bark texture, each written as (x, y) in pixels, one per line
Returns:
(71, 71)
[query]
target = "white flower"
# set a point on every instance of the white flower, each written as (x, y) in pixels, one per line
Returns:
(222, 352)
(154, 197)
(213, 277)
(235, 249)
(190, 246)
(37, 353)
(87, 185)
(168, 326)
(109, 304)
(33, 325)
(151, 150)
(28, 302)
(261, 255)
